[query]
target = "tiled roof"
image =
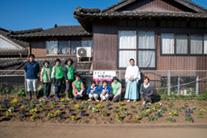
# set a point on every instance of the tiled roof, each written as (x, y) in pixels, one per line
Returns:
(6, 51)
(143, 14)
(186, 3)
(73, 30)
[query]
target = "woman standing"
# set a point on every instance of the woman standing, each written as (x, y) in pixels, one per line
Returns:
(132, 76)
(69, 76)
(57, 75)
(45, 78)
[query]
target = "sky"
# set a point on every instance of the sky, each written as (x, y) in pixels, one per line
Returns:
(28, 14)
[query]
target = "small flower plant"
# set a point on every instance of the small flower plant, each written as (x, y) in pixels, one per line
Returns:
(119, 117)
(20, 114)
(49, 115)
(137, 118)
(73, 117)
(33, 117)
(170, 118)
(98, 106)
(14, 102)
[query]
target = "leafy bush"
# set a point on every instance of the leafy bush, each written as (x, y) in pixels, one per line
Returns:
(202, 96)
(20, 93)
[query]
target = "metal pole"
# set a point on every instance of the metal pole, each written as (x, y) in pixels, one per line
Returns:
(168, 78)
(197, 79)
(25, 83)
(178, 85)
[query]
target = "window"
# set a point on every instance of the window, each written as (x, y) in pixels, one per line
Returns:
(167, 43)
(87, 43)
(196, 44)
(73, 46)
(127, 47)
(146, 49)
(143, 52)
(182, 44)
(205, 44)
(63, 48)
(66, 47)
(52, 47)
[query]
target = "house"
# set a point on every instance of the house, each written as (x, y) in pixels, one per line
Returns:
(158, 34)
(58, 42)
(12, 51)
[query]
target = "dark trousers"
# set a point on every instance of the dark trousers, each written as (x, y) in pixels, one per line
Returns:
(47, 87)
(117, 98)
(68, 89)
(147, 99)
(57, 90)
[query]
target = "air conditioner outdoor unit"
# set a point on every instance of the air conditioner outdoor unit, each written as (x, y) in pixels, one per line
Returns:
(83, 52)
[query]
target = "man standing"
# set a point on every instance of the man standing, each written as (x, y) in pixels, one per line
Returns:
(32, 69)
(132, 76)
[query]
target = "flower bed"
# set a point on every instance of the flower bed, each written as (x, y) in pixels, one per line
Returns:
(82, 112)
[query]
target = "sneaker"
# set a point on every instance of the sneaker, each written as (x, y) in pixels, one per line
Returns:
(97, 100)
(57, 98)
(134, 101)
(68, 99)
(144, 103)
(101, 100)
(89, 100)
(128, 100)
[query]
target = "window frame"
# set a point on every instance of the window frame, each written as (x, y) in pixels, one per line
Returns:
(137, 49)
(69, 47)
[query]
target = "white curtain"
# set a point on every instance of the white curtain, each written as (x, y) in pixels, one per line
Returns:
(63, 47)
(146, 59)
(127, 39)
(167, 43)
(52, 47)
(73, 46)
(124, 57)
(146, 40)
(196, 44)
(205, 44)
(181, 44)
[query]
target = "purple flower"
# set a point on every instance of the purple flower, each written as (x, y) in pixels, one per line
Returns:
(108, 106)
(70, 113)
(82, 113)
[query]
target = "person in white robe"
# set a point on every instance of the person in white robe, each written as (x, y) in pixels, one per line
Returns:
(132, 77)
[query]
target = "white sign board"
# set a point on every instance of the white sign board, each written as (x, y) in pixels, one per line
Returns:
(100, 75)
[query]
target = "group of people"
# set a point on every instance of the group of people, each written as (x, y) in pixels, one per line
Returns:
(74, 87)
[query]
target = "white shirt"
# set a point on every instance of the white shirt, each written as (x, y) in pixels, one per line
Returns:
(132, 71)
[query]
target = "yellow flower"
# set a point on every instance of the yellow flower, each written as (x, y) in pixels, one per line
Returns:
(58, 112)
(33, 117)
(98, 106)
(14, 101)
(77, 106)
(33, 110)
(73, 117)
(62, 99)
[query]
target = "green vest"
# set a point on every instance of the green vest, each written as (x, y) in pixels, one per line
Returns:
(70, 72)
(77, 85)
(44, 75)
(115, 87)
(58, 72)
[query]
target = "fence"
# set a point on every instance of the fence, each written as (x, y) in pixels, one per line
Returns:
(185, 82)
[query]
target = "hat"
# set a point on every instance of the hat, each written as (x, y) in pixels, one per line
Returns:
(69, 59)
(115, 78)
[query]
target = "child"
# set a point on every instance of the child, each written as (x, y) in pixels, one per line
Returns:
(146, 91)
(78, 88)
(116, 89)
(93, 91)
(57, 75)
(45, 78)
(105, 91)
(69, 76)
